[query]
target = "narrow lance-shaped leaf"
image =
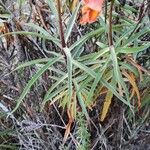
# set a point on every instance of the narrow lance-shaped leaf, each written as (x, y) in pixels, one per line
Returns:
(117, 73)
(131, 79)
(71, 23)
(106, 105)
(33, 80)
(69, 70)
(81, 101)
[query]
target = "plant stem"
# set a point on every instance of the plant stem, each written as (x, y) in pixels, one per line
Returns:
(60, 25)
(110, 37)
(141, 16)
(105, 10)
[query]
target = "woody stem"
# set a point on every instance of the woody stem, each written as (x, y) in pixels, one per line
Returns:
(110, 36)
(60, 25)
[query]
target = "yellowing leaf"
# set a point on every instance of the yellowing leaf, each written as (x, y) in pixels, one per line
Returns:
(74, 105)
(106, 105)
(2, 28)
(132, 94)
(132, 81)
(68, 126)
(73, 5)
(61, 94)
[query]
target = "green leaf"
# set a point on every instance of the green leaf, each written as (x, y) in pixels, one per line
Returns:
(127, 50)
(32, 62)
(85, 68)
(129, 67)
(5, 16)
(86, 37)
(135, 36)
(56, 41)
(43, 31)
(71, 22)
(46, 97)
(117, 73)
(81, 101)
(69, 70)
(53, 7)
(54, 94)
(7, 132)
(124, 35)
(96, 81)
(33, 80)
(112, 89)
(9, 147)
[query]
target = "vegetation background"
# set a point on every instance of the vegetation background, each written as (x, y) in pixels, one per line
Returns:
(69, 86)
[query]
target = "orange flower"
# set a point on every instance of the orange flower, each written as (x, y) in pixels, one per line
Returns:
(90, 11)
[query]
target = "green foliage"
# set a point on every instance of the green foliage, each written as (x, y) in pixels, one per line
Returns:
(82, 133)
(85, 74)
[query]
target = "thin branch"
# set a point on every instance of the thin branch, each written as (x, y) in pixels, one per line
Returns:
(60, 25)
(140, 18)
(110, 36)
(105, 10)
